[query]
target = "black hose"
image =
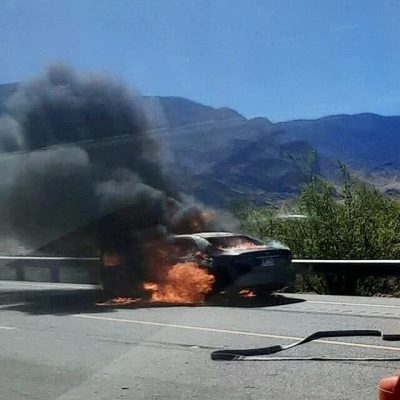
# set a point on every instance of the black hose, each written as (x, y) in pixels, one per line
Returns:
(245, 354)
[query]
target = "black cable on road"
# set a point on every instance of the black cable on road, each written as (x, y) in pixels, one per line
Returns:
(254, 354)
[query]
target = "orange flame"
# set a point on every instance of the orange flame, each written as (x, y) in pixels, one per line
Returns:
(243, 246)
(184, 283)
(247, 293)
(119, 301)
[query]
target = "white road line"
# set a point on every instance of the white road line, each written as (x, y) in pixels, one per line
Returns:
(351, 304)
(48, 258)
(7, 328)
(200, 328)
(49, 285)
(10, 305)
(29, 284)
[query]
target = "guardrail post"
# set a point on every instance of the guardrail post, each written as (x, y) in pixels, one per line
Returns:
(55, 274)
(20, 272)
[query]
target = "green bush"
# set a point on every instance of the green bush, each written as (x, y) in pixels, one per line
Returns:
(354, 221)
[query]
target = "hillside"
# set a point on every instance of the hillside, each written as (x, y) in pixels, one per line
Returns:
(366, 141)
(218, 155)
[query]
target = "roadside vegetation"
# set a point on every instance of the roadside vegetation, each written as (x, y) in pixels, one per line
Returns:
(353, 221)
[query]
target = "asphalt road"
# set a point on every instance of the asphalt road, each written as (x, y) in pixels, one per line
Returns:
(55, 344)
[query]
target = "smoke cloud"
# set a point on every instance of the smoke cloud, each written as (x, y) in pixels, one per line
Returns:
(76, 147)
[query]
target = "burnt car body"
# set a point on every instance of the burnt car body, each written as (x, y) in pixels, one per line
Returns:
(237, 261)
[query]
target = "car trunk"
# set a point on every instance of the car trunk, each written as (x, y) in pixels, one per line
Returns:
(252, 267)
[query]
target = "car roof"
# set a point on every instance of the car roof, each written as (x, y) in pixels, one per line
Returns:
(206, 235)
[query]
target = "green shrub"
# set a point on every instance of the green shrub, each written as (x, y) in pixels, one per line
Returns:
(354, 221)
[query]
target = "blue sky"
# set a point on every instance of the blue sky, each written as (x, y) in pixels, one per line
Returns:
(281, 59)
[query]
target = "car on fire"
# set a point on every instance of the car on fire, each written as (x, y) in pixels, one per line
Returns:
(237, 261)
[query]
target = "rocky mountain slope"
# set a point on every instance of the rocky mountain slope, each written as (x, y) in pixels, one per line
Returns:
(366, 141)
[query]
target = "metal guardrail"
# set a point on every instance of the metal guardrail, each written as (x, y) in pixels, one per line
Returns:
(88, 267)
(50, 269)
(343, 276)
(48, 258)
(349, 267)
(313, 261)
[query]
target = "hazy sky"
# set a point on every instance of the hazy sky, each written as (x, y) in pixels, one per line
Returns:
(282, 59)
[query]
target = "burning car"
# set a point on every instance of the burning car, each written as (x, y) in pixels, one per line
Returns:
(186, 268)
(236, 261)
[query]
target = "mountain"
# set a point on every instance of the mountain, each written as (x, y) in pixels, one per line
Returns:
(175, 111)
(363, 141)
(218, 155)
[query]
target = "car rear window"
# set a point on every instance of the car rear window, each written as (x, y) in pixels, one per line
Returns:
(232, 242)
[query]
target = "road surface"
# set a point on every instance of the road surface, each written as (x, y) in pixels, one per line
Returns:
(55, 344)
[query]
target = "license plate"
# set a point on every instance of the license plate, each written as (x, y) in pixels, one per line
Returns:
(267, 262)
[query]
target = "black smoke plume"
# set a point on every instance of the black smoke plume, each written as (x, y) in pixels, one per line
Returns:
(76, 149)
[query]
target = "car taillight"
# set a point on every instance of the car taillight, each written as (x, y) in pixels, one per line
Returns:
(111, 260)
